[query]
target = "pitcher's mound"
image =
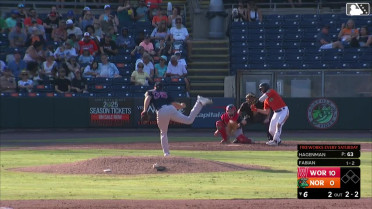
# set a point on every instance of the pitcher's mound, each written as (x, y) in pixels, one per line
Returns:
(140, 165)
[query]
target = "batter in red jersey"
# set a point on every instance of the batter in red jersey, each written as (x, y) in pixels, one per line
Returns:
(231, 115)
(272, 100)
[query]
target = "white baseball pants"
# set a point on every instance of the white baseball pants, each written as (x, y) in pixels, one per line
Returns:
(277, 122)
(169, 113)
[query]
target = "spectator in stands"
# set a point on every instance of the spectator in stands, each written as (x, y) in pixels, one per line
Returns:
(253, 12)
(142, 12)
(348, 32)
(124, 40)
(91, 71)
(139, 77)
(51, 22)
(161, 16)
(108, 46)
(12, 20)
(65, 51)
(92, 31)
(72, 29)
(86, 58)
(160, 32)
(147, 45)
(3, 25)
(74, 42)
(125, 14)
(176, 70)
(89, 44)
(87, 18)
(17, 65)
(109, 21)
(7, 82)
(17, 36)
(163, 48)
(71, 66)
(2, 66)
(22, 14)
(62, 84)
(148, 67)
(161, 67)
(176, 13)
(59, 34)
(324, 40)
(140, 36)
(107, 69)
(79, 84)
(242, 11)
(34, 53)
(137, 52)
(154, 6)
(32, 16)
(365, 39)
(53, 9)
(97, 30)
(180, 33)
(25, 84)
(49, 67)
(180, 60)
(36, 33)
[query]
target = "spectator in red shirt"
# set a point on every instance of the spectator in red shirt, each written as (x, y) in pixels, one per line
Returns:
(160, 16)
(89, 44)
(33, 15)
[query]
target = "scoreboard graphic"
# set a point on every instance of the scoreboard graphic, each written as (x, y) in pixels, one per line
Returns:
(328, 172)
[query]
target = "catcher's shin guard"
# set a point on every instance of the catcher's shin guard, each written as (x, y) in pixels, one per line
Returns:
(243, 139)
(222, 130)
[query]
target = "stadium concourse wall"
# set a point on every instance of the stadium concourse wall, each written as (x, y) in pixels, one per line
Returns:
(92, 112)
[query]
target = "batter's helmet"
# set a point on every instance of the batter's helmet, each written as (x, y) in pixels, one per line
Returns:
(230, 107)
(159, 86)
(263, 87)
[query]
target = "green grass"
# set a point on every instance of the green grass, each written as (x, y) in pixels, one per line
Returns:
(118, 140)
(280, 182)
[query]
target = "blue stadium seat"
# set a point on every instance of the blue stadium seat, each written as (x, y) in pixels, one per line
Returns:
(273, 24)
(255, 25)
(291, 24)
(239, 24)
(239, 51)
(238, 37)
(120, 88)
(270, 18)
(310, 17)
(292, 17)
(275, 31)
(139, 89)
(309, 58)
(256, 59)
(292, 36)
(239, 59)
(256, 45)
(175, 88)
(103, 81)
(255, 37)
(348, 57)
(238, 44)
(238, 31)
(274, 37)
(177, 94)
(309, 23)
(259, 66)
(293, 57)
(239, 66)
(120, 81)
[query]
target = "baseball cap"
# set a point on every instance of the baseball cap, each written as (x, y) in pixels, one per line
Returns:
(326, 26)
(16, 51)
(21, 5)
(69, 22)
(107, 6)
(177, 53)
(86, 34)
(163, 57)
(86, 9)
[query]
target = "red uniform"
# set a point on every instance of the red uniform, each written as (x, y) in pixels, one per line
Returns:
(221, 128)
(91, 46)
(274, 101)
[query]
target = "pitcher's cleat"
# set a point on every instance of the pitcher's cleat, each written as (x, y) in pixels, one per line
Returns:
(272, 143)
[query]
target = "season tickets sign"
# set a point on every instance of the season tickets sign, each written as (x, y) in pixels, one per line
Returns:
(110, 112)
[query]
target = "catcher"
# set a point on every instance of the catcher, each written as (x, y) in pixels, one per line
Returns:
(254, 117)
(231, 125)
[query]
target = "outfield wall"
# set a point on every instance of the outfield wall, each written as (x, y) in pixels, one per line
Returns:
(83, 112)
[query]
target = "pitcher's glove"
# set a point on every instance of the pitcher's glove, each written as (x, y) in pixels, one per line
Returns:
(158, 167)
(145, 117)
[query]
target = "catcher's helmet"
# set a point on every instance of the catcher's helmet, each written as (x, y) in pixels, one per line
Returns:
(263, 87)
(159, 86)
(230, 107)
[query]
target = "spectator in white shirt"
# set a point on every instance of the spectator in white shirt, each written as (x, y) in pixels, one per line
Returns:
(180, 33)
(176, 70)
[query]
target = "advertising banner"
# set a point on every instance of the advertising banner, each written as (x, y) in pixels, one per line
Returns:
(211, 113)
(110, 112)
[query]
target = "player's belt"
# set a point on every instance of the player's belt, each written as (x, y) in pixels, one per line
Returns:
(279, 110)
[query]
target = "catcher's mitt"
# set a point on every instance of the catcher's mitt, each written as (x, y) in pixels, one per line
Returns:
(158, 167)
(232, 126)
(145, 117)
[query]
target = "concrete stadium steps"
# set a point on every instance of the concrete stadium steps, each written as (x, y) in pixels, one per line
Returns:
(209, 67)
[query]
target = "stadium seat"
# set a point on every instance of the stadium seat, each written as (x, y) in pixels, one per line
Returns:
(120, 88)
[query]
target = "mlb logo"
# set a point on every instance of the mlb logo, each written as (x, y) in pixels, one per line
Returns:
(357, 9)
